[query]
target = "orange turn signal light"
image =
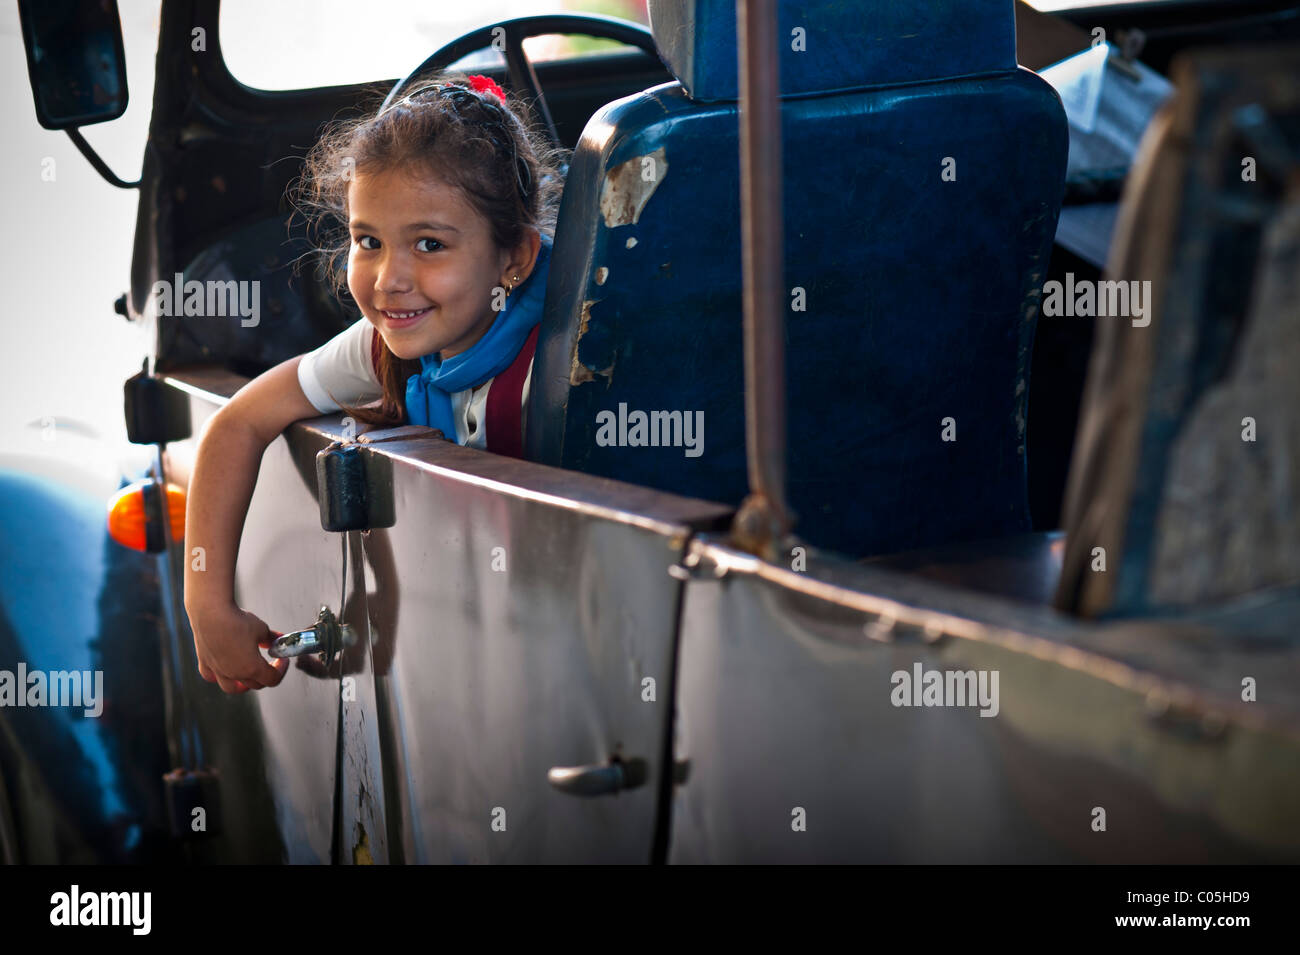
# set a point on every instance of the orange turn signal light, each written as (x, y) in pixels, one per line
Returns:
(135, 516)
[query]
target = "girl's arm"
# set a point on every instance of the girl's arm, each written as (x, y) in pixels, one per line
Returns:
(221, 486)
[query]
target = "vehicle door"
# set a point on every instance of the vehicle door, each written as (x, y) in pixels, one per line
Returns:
(523, 624)
(274, 751)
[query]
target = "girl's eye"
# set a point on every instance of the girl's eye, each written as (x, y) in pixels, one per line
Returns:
(368, 238)
(433, 242)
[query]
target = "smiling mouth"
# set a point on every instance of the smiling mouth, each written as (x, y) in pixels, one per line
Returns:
(404, 317)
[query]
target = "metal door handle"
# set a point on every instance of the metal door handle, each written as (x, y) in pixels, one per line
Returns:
(600, 779)
(327, 637)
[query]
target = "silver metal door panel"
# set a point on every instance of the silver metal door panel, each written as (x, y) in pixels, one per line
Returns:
(288, 567)
(785, 703)
(499, 675)
(275, 750)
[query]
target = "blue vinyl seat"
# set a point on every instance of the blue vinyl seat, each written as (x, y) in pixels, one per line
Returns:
(923, 174)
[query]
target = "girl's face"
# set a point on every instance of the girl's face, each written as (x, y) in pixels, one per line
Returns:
(422, 264)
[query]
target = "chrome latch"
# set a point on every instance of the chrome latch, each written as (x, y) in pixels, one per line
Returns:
(599, 780)
(328, 637)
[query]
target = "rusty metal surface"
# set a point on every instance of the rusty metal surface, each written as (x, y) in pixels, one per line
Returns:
(363, 825)
(785, 683)
(764, 518)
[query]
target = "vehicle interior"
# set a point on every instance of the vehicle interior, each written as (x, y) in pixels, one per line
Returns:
(1070, 501)
(920, 302)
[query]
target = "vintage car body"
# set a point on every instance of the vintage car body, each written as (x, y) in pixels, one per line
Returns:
(564, 660)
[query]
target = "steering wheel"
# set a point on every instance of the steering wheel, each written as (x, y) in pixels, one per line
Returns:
(521, 78)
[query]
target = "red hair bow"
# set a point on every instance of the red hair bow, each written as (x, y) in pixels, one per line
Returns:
(484, 84)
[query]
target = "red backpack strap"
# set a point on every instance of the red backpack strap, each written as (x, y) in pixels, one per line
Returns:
(505, 429)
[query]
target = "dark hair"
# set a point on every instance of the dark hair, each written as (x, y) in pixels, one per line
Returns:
(507, 170)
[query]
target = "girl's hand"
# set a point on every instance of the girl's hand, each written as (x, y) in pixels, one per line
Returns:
(220, 488)
(226, 640)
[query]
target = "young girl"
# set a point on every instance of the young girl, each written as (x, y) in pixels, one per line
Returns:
(448, 202)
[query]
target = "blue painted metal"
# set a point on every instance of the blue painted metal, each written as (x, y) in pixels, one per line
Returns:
(844, 44)
(921, 296)
(85, 789)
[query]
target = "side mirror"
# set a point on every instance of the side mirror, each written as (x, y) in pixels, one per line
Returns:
(75, 60)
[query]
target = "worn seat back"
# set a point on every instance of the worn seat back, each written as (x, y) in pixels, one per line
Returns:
(923, 175)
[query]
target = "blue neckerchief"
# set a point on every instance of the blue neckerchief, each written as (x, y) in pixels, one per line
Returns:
(428, 394)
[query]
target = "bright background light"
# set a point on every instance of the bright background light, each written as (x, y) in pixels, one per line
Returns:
(64, 353)
(292, 44)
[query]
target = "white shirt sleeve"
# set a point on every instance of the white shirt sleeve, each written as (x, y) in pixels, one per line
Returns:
(339, 372)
